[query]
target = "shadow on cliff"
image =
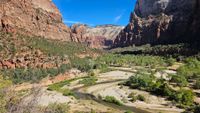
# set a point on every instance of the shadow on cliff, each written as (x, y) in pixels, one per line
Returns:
(174, 50)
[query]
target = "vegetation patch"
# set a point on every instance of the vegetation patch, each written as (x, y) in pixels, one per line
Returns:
(113, 100)
(91, 80)
(160, 87)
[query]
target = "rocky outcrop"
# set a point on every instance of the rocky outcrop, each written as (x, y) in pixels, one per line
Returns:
(162, 22)
(33, 17)
(96, 37)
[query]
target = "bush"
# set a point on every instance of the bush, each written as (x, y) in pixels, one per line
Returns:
(83, 64)
(184, 97)
(197, 109)
(179, 80)
(197, 84)
(191, 69)
(159, 87)
(67, 92)
(141, 81)
(20, 75)
(141, 98)
(113, 100)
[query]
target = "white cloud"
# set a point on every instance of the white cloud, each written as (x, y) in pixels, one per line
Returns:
(117, 18)
(71, 22)
(76, 22)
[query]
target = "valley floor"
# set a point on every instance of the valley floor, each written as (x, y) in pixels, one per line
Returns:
(89, 98)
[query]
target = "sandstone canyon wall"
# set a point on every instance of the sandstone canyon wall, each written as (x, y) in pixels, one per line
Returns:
(162, 22)
(95, 37)
(33, 17)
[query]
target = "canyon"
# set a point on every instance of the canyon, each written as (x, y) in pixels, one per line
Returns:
(42, 18)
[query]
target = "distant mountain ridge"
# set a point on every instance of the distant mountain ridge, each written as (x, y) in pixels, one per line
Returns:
(96, 37)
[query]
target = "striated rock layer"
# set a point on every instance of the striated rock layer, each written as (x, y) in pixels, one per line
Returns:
(33, 17)
(95, 37)
(162, 22)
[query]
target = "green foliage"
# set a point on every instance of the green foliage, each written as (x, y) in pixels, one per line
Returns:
(141, 81)
(184, 97)
(132, 60)
(128, 111)
(3, 100)
(52, 47)
(67, 92)
(179, 80)
(170, 61)
(132, 96)
(141, 98)
(197, 109)
(191, 69)
(197, 84)
(160, 87)
(83, 64)
(91, 80)
(113, 100)
(58, 86)
(20, 75)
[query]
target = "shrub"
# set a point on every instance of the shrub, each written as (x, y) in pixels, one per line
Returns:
(141, 98)
(179, 80)
(132, 96)
(67, 92)
(141, 81)
(191, 69)
(83, 64)
(184, 97)
(197, 84)
(128, 111)
(113, 100)
(197, 109)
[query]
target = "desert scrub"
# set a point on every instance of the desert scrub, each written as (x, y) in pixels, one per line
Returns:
(141, 98)
(113, 100)
(135, 97)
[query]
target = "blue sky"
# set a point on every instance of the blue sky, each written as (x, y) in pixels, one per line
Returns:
(95, 12)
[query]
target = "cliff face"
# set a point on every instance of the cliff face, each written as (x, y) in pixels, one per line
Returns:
(95, 37)
(33, 17)
(161, 22)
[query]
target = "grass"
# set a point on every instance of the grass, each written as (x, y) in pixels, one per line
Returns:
(91, 80)
(59, 87)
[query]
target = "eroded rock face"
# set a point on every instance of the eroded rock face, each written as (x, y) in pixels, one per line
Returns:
(162, 22)
(95, 37)
(33, 17)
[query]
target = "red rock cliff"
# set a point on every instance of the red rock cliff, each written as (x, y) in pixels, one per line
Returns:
(33, 17)
(162, 22)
